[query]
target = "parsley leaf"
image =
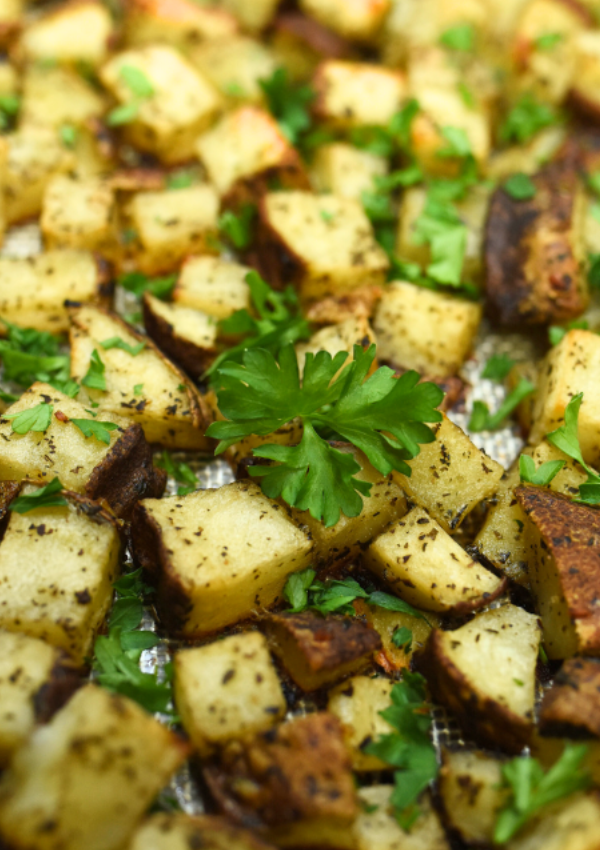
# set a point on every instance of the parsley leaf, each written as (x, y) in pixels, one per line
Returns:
(138, 283)
(386, 141)
(117, 342)
(458, 143)
(382, 415)
(138, 389)
(123, 114)
(527, 117)
(520, 187)
(68, 135)
(36, 418)
(548, 41)
(531, 789)
(180, 471)
(402, 638)
(29, 355)
(9, 107)
(93, 428)
(440, 227)
(239, 228)
(594, 271)
(556, 333)
(498, 367)
(180, 179)
(288, 103)
(460, 37)
(136, 81)
(483, 420)
(94, 377)
(46, 497)
(566, 438)
(542, 475)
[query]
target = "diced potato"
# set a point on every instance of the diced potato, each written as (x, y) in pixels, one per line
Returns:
(235, 66)
(35, 678)
(180, 23)
(535, 252)
(170, 225)
(289, 434)
(9, 79)
(75, 31)
(420, 329)
(86, 779)
(215, 286)
(178, 831)
(357, 704)
(571, 707)
(354, 94)
(227, 689)
(167, 406)
(33, 291)
(335, 309)
(120, 472)
(387, 623)
(345, 170)
(210, 573)
(484, 672)
(182, 106)
(376, 827)
(570, 368)
(450, 476)
(79, 213)
(471, 794)
(187, 336)
(317, 651)
(563, 573)
(586, 75)
(571, 824)
(342, 336)
(427, 568)
(72, 555)
(324, 244)
(11, 19)
(302, 786)
(357, 21)
(35, 155)
(254, 16)
(528, 157)
(301, 43)
(247, 150)
(53, 97)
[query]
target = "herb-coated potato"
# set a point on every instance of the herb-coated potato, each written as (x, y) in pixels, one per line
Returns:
(351, 94)
(178, 831)
(215, 286)
(72, 32)
(376, 828)
(186, 336)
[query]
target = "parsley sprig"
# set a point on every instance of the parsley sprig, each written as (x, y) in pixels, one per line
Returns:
(566, 438)
(483, 420)
(35, 418)
(140, 88)
(238, 228)
(29, 355)
(289, 103)
(526, 118)
(540, 476)
(180, 471)
(49, 496)
(138, 283)
(382, 415)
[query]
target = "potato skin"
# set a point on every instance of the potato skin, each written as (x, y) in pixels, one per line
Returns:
(190, 357)
(64, 680)
(571, 708)
(533, 272)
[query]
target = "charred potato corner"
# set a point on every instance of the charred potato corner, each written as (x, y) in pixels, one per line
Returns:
(300, 425)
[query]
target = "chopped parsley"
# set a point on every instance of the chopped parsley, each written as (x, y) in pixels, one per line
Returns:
(138, 283)
(238, 228)
(289, 103)
(118, 342)
(180, 471)
(460, 37)
(141, 89)
(94, 428)
(556, 333)
(540, 476)
(548, 41)
(566, 439)
(526, 118)
(29, 355)
(483, 420)
(68, 135)
(36, 419)
(94, 377)
(49, 496)
(498, 367)
(520, 187)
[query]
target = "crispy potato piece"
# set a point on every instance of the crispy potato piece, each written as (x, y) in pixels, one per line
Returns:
(323, 244)
(226, 690)
(387, 623)
(187, 336)
(341, 336)
(534, 251)
(79, 30)
(183, 104)
(81, 214)
(357, 21)
(56, 96)
(301, 43)
(571, 824)
(428, 331)
(86, 779)
(213, 285)
(182, 24)
(209, 572)
(564, 573)
(35, 680)
(571, 708)
(73, 557)
(302, 787)
(235, 66)
(584, 89)
(484, 672)
(450, 476)
(376, 827)
(357, 704)
(427, 568)
(316, 650)
(345, 170)
(358, 304)
(245, 152)
(178, 831)
(33, 291)
(168, 406)
(354, 94)
(120, 473)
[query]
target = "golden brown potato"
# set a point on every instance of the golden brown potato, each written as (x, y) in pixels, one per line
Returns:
(317, 650)
(187, 336)
(180, 23)
(358, 304)
(387, 623)
(354, 94)
(178, 831)
(571, 707)
(55, 96)
(254, 16)
(235, 65)
(345, 170)
(79, 213)
(571, 824)
(358, 21)
(215, 286)
(79, 30)
(358, 704)
(584, 90)
(376, 827)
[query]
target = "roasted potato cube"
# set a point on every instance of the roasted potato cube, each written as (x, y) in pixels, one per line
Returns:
(33, 291)
(301, 43)
(180, 23)
(35, 155)
(215, 286)
(86, 779)
(586, 75)
(170, 225)
(182, 105)
(345, 170)
(471, 794)
(254, 16)
(302, 787)
(421, 329)
(209, 572)
(121, 472)
(571, 707)
(376, 827)
(450, 476)
(245, 151)
(570, 368)
(35, 679)
(79, 213)
(563, 575)
(484, 672)
(56, 96)
(357, 704)
(387, 623)
(534, 252)
(342, 336)
(178, 831)
(187, 336)
(316, 650)
(235, 66)
(324, 244)
(226, 690)
(355, 94)
(77, 31)
(427, 568)
(359, 21)
(358, 304)
(72, 555)
(571, 823)
(167, 405)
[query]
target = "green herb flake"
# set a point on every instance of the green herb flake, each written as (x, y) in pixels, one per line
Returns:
(118, 342)
(539, 476)
(526, 118)
(520, 187)
(136, 81)
(123, 114)
(29, 355)
(566, 439)
(548, 41)
(49, 496)
(498, 367)
(289, 103)
(402, 638)
(483, 420)
(94, 377)
(68, 135)
(93, 428)
(239, 228)
(556, 333)
(468, 98)
(36, 419)
(460, 37)
(138, 389)
(180, 180)
(138, 283)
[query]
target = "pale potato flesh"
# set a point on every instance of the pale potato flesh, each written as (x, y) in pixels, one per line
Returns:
(215, 286)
